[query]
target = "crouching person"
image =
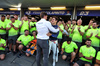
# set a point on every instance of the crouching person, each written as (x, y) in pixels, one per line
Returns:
(68, 49)
(24, 41)
(86, 54)
(97, 59)
(2, 48)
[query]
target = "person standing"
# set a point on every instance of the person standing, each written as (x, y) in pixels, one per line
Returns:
(43, 27)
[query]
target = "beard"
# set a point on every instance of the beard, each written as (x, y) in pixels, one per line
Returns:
(88, 45)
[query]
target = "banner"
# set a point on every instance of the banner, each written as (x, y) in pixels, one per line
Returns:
(10, 12)
(49, 12)
(88, 13)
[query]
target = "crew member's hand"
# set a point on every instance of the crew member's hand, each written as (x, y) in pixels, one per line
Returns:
(91, 34)
(96, 35)
(78, 28)
(1, 45)
(49, 34)
(11, 24)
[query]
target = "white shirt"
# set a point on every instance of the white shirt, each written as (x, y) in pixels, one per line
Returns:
(43, 27)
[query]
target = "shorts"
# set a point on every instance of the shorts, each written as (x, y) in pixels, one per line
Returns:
(60, 41)
(2, 52)
(67, 54)
(80, 62)
(12, 39)
(24, 47)
(3, 36)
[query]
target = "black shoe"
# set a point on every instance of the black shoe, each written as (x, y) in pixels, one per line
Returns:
(14, 52)
(71, 63)
(8, 52)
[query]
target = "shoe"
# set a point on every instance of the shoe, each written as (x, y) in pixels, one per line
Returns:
(14, 52)
(53, 63)
(8, 52)
(71, 63)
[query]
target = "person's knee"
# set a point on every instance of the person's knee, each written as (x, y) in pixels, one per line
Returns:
(73, 53)
(27, 54)
(75, 64)
(20, 46)
(87, 65)
(2, 57)
(64, 57)
(96, 65)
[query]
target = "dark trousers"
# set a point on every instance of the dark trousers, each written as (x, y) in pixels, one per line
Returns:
(42, 45)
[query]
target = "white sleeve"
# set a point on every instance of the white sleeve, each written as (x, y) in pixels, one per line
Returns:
(51, 28)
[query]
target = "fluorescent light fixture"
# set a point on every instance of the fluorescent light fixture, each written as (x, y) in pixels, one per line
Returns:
(92, 7)
(58, 8)
(1, 9)
(34, 8)
(15, 8)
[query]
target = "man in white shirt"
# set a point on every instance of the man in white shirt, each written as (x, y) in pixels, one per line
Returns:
(43, 27)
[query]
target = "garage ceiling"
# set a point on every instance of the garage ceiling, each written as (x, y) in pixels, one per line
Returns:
(46, 3)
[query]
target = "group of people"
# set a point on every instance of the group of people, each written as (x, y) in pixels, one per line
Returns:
(69, 39)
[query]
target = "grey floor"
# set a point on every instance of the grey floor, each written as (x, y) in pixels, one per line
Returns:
(28, 61)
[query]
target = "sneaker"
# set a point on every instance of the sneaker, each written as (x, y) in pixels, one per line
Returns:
(14, 52)
(8, 52)
(71, 63)
(53, 63)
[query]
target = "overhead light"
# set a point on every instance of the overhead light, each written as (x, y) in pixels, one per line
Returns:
(34, 8)
(92, 7)
(1, 9)
(15, 8)
(58, 8)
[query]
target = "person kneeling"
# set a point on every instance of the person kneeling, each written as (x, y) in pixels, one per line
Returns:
(69, 47)
(98, 59)
(2, 48)
(86, 54)
(24, 40)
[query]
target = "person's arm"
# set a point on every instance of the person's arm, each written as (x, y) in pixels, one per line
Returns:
(19, 42)
(51, 28)
(21, 25)
(8, 28)
(62, 50)
(81, 33)
(16, 28)
(2, 45)
(89, 36)
(72, 30)
(55, 35)
(89, 58)
(3, 28)
(97, 36)
(98, 61)
(87, 28)
(80, 54)
(76, 51)
(29, 24)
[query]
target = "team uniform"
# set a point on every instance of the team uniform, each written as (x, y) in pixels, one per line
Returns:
(25, 40)
(3, 32)
(95, 40)
(69, 48)
(77, 38)
(2, 50)
(87, 52)
(24, 27)
(60, 34)
(12, 33)
(33, 27)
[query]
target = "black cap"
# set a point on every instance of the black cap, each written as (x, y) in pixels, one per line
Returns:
(12, 17)
(2, 15)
